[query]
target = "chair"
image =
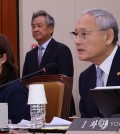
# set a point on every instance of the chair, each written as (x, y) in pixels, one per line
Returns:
(58, 89)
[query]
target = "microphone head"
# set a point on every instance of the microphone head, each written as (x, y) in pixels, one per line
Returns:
(51, 68)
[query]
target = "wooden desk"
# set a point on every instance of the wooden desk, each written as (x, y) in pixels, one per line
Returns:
(58, 129)
(47, 130)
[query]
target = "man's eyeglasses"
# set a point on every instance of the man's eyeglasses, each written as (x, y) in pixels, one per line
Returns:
(84, 34)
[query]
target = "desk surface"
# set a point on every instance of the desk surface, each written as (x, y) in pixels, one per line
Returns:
(47, 130)
(53, 129)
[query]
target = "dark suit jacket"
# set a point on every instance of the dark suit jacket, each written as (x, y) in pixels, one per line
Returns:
(55, 52)
(16, 95)
(87, 81)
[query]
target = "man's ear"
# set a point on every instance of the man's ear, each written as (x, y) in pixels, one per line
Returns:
(3, 59)
(109, 36)
(51, 28)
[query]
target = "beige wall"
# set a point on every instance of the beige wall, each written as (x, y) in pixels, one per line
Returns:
(65, 13)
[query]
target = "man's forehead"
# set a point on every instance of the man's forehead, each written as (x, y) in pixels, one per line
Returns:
(39, 20)
(86, 21)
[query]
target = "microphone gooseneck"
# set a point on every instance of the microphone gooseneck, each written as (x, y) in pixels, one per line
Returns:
(47, 68)
(51, 66)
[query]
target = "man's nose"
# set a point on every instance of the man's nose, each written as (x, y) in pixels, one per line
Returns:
(35, 29)
(77, 40)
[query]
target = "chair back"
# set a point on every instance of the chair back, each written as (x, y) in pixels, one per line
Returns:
(58, 89)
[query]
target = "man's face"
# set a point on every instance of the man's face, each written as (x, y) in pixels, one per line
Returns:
(90, 41)
(40, 30)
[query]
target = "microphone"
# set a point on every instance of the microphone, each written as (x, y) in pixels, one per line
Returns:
(50, 68)
(46, 69)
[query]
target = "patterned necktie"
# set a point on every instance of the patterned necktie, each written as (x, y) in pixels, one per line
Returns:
(99, 81)
(40, 54)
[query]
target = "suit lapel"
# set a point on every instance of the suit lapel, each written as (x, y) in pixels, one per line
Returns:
(113, 78)
(48, 52)
(35, 58)
(92, 80)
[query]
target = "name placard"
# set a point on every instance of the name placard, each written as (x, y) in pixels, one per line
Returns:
(94, 126)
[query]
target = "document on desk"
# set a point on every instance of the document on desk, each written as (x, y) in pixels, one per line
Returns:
(56, 123)
(24, 124)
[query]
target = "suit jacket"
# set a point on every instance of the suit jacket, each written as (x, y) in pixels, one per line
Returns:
(55, 53)
(87, 81)
(16, 95)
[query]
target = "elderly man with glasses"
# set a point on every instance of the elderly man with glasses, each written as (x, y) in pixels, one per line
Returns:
(96, 36)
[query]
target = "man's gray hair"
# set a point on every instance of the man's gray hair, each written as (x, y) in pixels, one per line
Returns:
(49, 18)
(104, 20)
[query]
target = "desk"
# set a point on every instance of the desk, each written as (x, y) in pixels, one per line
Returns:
(47, 130)
(53, 129)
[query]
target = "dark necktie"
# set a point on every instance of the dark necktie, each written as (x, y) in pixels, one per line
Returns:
(99, 81)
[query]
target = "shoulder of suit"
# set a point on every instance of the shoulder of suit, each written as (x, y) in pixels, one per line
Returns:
(32, 50)
(90, 69)
(118, 48)
(59, 44)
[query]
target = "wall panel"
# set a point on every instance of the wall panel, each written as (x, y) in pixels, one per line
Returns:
(0, 13)
(9, 23)
(65, 13)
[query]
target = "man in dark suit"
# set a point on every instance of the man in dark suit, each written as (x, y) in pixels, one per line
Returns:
(96, 36)
(48, 50)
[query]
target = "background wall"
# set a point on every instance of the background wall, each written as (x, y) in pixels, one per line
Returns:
(65, 13)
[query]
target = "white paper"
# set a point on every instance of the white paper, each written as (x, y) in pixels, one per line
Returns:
(25, 123)
(59, 121)
(107, 87)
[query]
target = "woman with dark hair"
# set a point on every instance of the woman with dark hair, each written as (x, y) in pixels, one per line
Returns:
(14, 93)
(7, 66)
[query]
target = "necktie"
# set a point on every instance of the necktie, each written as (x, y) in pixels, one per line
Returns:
(40, 54)
(99, 81)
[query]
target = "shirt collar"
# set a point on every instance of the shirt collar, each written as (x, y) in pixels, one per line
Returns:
(46, 43)
(106, 64)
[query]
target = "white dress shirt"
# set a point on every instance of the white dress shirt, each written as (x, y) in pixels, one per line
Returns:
(106, 65)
